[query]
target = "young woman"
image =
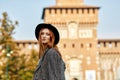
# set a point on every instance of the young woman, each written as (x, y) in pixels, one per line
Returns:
(51, 65)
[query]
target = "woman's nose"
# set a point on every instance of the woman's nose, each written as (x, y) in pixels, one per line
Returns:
(44, 35)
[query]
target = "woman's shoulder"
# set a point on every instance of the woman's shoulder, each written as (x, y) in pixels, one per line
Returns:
(52, 51)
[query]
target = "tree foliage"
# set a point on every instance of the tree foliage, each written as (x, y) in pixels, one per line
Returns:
(13, 65)
(6, 31)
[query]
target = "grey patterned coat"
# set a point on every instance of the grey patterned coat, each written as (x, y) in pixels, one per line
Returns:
(50, 67)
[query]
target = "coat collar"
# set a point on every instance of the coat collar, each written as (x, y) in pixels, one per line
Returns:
(41, 59)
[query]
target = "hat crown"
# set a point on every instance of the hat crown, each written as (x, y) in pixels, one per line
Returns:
(49, 26)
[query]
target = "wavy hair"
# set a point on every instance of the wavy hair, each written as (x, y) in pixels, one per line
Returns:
(51, 44)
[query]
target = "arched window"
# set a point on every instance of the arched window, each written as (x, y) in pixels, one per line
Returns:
(74, 67)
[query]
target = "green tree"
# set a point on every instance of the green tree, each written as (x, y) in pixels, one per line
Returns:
(22, 67)
(7, 45)
(13, 65)
(30, 61)
(6, 31)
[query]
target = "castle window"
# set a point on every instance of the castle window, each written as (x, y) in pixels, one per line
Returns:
(73, 45)
(115, 44)
(90, 45)
(64, 45)
(74, 66)
(81, 45)
(72, 28)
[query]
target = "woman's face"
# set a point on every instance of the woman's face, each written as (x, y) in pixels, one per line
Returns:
(44, 36)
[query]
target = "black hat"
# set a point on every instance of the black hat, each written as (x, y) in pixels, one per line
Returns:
(49, 26)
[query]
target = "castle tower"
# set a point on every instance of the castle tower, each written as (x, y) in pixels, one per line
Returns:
(77, 24)
(69, 2)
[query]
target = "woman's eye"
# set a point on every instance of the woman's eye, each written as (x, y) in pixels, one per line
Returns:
(42, 33)
(47, 34)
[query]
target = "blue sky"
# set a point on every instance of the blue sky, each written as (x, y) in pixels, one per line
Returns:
(28, 13)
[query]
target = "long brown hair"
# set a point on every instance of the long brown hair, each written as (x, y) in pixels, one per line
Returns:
(51, 44)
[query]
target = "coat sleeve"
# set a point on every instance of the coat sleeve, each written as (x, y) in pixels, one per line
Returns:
(54, 65)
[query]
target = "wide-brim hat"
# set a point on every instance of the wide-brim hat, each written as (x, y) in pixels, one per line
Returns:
(49, 26)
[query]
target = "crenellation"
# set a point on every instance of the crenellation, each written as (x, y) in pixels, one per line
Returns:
(95, 11)
(84, 15)
(47, 11)
(85, 11)
(109, 44)
(58, 11)
(80, 11)
(71, 11)
(75, 11)
(91, 11)
(26, 44)
(52, 11)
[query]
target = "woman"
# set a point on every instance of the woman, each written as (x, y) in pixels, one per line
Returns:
(50, 66)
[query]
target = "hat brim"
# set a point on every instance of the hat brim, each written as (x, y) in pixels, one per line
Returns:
(49, 26)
